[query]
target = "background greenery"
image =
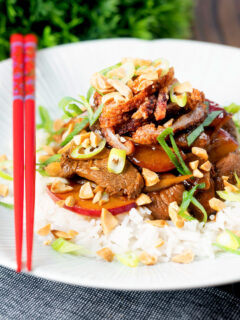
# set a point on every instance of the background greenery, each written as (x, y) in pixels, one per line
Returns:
(63, 21)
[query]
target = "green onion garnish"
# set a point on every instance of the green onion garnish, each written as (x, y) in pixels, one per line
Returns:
(54, 158)
(129, 259)
(42, 172)
(90, 92)
(70, 109)
(106, 70)
(5, 176)
(46, 121)
(232, 108)
(64, 246)
(78, 127)
(196, 133)
(6, 205)
(197, 204)
(51, 135)
(176, 161)
(227, 249)
(228, 241)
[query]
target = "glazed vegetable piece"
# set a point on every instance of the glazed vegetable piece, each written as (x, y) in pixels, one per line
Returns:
(115, 205)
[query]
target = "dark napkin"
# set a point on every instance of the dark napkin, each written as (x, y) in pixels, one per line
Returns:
(26, 297)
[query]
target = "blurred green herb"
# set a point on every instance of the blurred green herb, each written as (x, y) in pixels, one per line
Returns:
(56, 21)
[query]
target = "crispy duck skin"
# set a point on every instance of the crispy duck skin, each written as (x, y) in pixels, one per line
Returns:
(147, 134)
(161, 106)
(129, 182)
(195, 98)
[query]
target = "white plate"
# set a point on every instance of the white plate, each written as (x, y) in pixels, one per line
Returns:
(65, 70)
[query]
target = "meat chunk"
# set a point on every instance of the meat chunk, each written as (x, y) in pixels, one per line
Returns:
(129, 182)
(226, 167)
(190, 119)
(146, 108)
(114, 141)
(195, 98)
(162, 199)
(202, 141)
(231, 128)
(161, 106)
(147, 134)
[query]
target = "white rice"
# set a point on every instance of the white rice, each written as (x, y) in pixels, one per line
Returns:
(133, 234)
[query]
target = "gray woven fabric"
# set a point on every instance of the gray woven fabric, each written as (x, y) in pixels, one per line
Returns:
(24, 297)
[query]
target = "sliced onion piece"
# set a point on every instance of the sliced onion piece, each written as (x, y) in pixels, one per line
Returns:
(76, 155)
(116, 160)
(180, 99)
(124, 73)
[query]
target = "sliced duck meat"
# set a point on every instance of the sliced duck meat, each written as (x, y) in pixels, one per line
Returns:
(115, 141)
(147, 134)
(173, 110)
(162, 199)
(203, 196)
(190, 119)
(226, 167)
(195, 98)
(202, 141)
(129, 182)
(146, 109)
(161, 106)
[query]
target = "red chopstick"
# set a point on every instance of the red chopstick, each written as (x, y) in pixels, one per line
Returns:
(18, 141)
(30, 43)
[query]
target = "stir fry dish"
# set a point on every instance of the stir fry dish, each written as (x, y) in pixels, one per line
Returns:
(140, 148)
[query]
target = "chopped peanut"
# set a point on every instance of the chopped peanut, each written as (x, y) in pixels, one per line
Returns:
(60, 203)
(216, 204)
(68, 146)
(158, 223)
(197, 173)
(86, 143)
(44, 231)
(61, 234)
(108, 221)
(186, 257)
(225, 178)
(200, 152)
(3, 157)
(72, 233)
(3, 190)
(183, 87)
(194, 164)
(105, 198)
(168, 123)
(159, 243)
(58, 124)
(94, 168)
(229, 187)
(47, 242)
(86, 191)
(150, 177)
(43, 157)
(98, 188)
(173, 210)
(147, 259)
(68, 131)
(49, 150)
(106, 254)
(53, 169)
(81, 137)
(143, 199)
(206, 166)
(60, 187)
(94, 139)
(70, 201)
(97, 197)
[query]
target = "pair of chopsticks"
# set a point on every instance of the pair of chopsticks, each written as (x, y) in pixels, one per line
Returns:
(23, 51)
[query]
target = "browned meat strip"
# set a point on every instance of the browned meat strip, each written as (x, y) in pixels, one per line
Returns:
(130, 126)
(162, 199)
(129, 182)
(226, 167)
(147, 134)
(190, 119)
(112, 116)
(115, 142)
(202, 141)
(203, 196)
(195, 98)
(161, 106)
(231, 128)
(173, 110)
(146, 108)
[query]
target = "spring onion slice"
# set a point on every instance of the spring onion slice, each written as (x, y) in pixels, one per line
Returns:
(90, 93)
(76, 155)
(96, 114)
(180, 99)
(70, 109)
(78, 127)
(6, 205)
(87, 105)
(116, 160)
(187, 198)
(171, 155)
(5, 176)
(162, 64)
(178, 154)
(196, 133)
(229, 196)
(51, 135)
(42, 172)
(54, 158)
(63, 246)
(232, 108)
(106, 70)
(129, 259)
(228, 239)
(197, 204)
(237, 179)
(46, 121)
(224, 248)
